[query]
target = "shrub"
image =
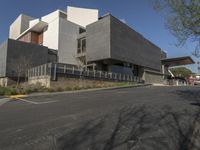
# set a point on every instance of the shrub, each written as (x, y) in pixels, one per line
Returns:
(27, 91)
(68, 88)
(7, 91)
(50, 90)
(88, 87)
(2, 91)
(59, 89)
(77, 88)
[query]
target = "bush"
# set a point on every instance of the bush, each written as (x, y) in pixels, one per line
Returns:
(59, 89)
(88, 87)
(68, 88)
(7, 91)
(27, 91)
(76, 88)
(50, 90)
(2, 91)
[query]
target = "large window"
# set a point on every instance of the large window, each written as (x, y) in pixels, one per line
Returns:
(81, 46)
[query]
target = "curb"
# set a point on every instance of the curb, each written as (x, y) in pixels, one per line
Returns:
(88, 90)
(17, 96)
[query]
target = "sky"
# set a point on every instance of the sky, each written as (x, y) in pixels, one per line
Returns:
(138, 14)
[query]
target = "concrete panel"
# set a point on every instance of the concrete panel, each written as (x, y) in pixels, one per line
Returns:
(153, 77)
(50, 36)
(19, 26)
(3, 58)
(82, 16)
(109, 38)
(98, 40)
(129, 46)
(68, 35)
(19, 53)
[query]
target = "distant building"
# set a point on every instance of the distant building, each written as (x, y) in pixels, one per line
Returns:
(77, 36)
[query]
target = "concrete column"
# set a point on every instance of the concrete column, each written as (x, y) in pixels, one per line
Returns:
(73, 70)
(55, 69)
(64, 68)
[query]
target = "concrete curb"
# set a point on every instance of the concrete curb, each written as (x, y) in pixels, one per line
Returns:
(88, 90)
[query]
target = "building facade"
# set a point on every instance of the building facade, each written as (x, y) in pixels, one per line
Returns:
(80, 37)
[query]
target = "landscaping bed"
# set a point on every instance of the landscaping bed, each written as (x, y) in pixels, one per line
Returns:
(28, 89)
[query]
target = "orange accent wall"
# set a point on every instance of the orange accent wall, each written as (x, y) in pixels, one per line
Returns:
(32, 37)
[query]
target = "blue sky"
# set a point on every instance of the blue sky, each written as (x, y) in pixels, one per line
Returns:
(138, 14)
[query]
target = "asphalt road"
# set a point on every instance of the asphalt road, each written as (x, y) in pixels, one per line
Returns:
(146, 118)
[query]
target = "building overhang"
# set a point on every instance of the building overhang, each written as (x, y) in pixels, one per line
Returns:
(35, 26)
(178, 61)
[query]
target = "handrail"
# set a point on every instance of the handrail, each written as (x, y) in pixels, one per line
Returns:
(52, 69)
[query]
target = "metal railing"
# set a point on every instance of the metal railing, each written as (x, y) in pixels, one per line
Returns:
(55, 70)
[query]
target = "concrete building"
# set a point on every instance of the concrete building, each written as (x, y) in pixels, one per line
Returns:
(80, 37)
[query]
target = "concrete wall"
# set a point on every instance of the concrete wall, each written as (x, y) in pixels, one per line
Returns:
(21, 54)
(98, 40)
(61, 35)
(153, 77)
(82, 16)
(109, 38)
(67, 82)
(67, 45)
(4, 82)
(43, 80)
(3, 58)
(51, 33)
(19, 26)
(129, 46)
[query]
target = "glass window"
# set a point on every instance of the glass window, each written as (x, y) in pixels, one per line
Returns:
(79, 46)
(83, 45)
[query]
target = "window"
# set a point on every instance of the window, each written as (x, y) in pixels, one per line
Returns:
(81, 30)
(81, 47)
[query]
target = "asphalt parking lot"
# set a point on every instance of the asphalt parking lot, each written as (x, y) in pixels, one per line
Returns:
(133, 118)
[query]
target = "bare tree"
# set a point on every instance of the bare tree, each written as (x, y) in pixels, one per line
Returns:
(80, 62)
(182, 20)
(24, 63)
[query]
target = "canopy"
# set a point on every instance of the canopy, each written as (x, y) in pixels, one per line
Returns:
(178, 61)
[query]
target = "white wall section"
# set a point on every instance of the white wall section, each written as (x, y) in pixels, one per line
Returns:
(19, 26)
(82, 16)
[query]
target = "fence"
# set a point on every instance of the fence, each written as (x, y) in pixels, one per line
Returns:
(55, 70)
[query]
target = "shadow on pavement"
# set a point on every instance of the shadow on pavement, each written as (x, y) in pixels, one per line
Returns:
(136, 128)
(132, 128)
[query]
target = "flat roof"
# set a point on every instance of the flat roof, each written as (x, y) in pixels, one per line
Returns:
(177, 61)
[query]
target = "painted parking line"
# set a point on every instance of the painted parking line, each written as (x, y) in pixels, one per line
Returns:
(35, 103)
(4, 101)
(24, 100)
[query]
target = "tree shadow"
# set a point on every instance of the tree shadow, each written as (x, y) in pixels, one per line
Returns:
(134, 128)
(191, 95)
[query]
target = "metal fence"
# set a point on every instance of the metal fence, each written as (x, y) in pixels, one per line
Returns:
(55, 70)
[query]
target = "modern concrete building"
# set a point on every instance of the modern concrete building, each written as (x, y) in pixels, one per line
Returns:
(80, 37)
